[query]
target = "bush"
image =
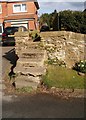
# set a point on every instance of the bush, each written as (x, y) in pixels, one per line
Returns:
(80, 66)
(35, 35)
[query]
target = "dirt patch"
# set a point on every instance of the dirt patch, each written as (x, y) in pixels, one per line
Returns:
(61, 92)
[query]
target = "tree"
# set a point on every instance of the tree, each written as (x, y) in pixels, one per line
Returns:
(68, 20)
(73, 21)
(83, 25)
(55, 22)
(44, 19)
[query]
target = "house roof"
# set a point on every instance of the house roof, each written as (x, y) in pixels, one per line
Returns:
(17, 17)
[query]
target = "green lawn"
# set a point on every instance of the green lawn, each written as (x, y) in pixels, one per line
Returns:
(63, 78)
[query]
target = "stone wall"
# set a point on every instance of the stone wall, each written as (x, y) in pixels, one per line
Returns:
(65, 46)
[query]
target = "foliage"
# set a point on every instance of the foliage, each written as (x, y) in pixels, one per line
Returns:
(35, 35)
(68, 20)
(55, 22)
(45, 18)
(48, 18)
(72, 20)
(25, 89)
(61, 77)
(80, 66)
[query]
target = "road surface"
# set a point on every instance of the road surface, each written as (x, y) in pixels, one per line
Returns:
(42, 106)
(4, 66)
(6, 63)
(38, 105)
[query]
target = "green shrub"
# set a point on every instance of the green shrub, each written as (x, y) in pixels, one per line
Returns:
(80, 66)
(35, 35)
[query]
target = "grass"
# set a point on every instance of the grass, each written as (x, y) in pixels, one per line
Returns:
(25, 89)
(62, 77)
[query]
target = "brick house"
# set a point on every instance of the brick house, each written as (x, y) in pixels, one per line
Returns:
(19, 13)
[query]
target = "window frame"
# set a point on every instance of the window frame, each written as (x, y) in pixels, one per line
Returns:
(20, 8)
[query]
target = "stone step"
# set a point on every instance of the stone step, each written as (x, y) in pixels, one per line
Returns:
(34, 44)
(31, 43)
(27, 81)
(31, 54)
(31, 50)
(30, 62)
(32, 71)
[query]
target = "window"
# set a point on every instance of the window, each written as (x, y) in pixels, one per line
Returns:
(0, 9)
(19, 8)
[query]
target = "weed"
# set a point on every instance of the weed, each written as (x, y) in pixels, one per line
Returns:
(25, 89)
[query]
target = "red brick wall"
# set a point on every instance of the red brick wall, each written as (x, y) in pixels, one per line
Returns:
(4, 11)
(7, 9)
(30, 6)
(31, 25)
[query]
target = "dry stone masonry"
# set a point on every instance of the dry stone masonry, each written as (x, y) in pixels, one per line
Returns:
(65, 46)
(30, 65)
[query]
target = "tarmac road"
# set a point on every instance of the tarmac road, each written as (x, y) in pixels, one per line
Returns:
(6, 63)
(42, 106)
(4, 66)
(38, 105)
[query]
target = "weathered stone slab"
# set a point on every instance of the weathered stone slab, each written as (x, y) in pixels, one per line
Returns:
(30, 62)
(33, 71)
(26, 81)
(22, 34)
(31, 54)
(30, 65)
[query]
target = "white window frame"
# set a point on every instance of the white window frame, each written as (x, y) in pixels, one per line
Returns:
(20, 10)
(1, 8)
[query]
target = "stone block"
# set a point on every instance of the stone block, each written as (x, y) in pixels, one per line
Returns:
(24, 81)
(32, 71)
(21, 34)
